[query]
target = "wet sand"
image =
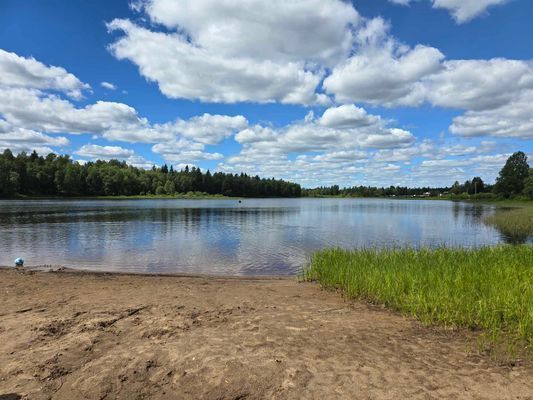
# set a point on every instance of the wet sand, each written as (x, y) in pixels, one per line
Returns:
(73, 335)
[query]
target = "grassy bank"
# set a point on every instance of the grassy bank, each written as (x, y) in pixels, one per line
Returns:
(514, 220)
(488, 288)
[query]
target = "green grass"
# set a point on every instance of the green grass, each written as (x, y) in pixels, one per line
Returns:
(488, 289)
(513, 220)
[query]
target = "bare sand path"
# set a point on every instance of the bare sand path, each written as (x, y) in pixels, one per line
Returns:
(102, 336)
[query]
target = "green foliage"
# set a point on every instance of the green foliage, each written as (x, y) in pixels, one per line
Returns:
(488, 288)
(474, 186)
(9, 179)
(13, 182)
(528, 185)
(460, 196)
(513, 175)
(170, 187)
(484, 196)
(34, 175)
(456, 188)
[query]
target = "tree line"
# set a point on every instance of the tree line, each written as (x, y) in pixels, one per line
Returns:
(371, 191)
(59, 175)
(515, 180)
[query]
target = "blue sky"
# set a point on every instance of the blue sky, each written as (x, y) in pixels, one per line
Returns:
(319, 92)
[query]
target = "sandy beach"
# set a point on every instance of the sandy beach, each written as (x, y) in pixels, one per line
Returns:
(76, 335)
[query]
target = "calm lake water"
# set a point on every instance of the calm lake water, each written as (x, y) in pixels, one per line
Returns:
(255, 237)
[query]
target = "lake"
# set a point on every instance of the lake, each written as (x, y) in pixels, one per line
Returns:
(255, 237)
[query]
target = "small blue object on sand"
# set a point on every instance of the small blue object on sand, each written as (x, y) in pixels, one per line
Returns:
(19, 262)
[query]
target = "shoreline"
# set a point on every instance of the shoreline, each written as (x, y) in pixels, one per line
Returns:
(76, 271)
(184, 196)
(78, 334)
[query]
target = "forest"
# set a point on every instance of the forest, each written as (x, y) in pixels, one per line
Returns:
(59, 175)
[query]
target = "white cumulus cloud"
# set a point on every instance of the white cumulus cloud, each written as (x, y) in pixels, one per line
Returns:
(465, 10)
(183, 70)
(21, 72)
(210, 129)
(513, 120)
(108, 85)
(284, 31)
(103, 152)
(461, 10)
(98, 152)
(494, 93)
(20, 139)
(383, 71)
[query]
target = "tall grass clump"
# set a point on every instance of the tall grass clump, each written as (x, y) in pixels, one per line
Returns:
(489, 288)
(516, 224)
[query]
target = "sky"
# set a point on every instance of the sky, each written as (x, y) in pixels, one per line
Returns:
(319, 92)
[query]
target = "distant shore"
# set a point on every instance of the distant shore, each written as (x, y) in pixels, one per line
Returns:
(68, 334)
(194, 196)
